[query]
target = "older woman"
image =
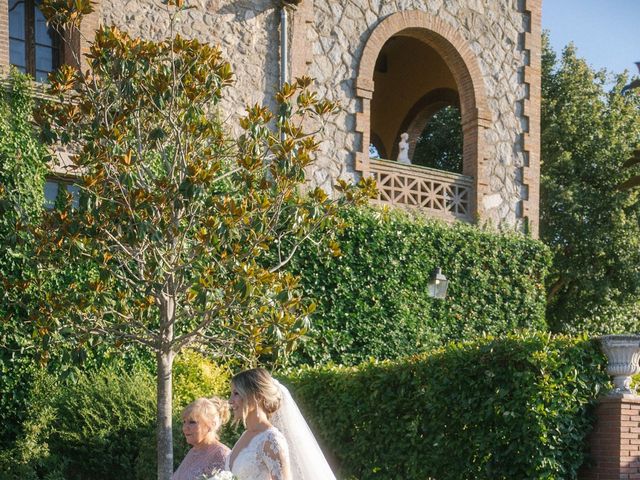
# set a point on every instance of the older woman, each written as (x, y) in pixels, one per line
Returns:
(201, 421)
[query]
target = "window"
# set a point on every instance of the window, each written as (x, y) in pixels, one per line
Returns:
(53, 191)
(34, 47)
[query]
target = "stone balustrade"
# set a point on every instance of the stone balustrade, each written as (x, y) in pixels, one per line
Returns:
(444, 195)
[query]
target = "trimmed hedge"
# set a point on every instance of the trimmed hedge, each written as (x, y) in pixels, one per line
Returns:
(492, 409)
(372, 301)
(511, 408)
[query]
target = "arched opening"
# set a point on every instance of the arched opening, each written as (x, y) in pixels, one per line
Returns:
(413, 66)
(412, 84)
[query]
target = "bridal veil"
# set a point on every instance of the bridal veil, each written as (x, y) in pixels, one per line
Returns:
(307, 460)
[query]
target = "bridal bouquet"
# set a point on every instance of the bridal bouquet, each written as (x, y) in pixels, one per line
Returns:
(221, 475)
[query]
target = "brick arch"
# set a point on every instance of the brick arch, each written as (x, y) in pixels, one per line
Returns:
(462, 63)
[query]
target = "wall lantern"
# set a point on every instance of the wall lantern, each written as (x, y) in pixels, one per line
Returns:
(438, 284)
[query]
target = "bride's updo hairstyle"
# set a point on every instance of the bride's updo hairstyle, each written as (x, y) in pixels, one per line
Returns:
(257, 386)
(214, 412)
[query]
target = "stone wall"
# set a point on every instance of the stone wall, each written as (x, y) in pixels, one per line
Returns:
(247, 32)
(327, 43)
(493, 30)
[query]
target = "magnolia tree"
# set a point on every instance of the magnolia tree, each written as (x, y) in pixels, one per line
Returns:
(184, 229)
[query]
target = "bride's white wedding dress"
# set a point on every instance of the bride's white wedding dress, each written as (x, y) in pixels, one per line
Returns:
(263, 458)
(288, 445)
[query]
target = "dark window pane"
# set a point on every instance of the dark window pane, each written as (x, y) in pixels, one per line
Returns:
(44, 59)
(74, 190)
(42, 76)
(17, 53)
(34, 46)
(50, 193)
(46, 46)
(55, 189)
(44, 34)
(16, 19)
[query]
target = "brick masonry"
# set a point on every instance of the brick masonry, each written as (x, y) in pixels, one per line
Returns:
(4, 36)
(615, 440)
(532, 45)
(457, 54)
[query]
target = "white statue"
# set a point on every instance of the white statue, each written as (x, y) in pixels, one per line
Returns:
(403, 155)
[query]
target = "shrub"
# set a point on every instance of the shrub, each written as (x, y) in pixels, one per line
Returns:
(195, 376)
(101, 424)
(372, 301)
(17, 375)
(103, 420)
(28, 456)
(490, 409)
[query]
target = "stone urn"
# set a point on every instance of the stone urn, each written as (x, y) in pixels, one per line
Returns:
(623, 353)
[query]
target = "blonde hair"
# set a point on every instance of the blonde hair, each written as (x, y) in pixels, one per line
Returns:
(256, 385)
(213, 411)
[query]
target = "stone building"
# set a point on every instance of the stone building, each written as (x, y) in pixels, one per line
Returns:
(392, 64)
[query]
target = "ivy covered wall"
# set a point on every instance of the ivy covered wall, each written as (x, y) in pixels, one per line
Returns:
(372, 300)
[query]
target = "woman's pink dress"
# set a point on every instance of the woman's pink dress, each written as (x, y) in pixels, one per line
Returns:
(202, 461)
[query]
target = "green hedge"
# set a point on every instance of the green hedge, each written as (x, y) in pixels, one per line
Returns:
(511, 408)
(101, 424)
(27, 456)
(103, 420)
(373, 302)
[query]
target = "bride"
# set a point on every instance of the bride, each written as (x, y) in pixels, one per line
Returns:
(277, 443)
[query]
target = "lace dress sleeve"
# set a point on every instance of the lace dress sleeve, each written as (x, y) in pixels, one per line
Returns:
(199, 463)
(275, 455)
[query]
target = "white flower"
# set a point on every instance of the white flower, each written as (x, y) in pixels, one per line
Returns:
(222, 475)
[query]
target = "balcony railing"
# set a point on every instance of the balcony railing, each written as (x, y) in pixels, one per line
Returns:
(441, 194)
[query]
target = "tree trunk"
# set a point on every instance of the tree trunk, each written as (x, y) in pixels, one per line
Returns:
(554, 289)
(164, 357)
(164, 419)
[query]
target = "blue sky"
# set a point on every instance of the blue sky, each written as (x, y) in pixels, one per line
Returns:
(605, 32)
